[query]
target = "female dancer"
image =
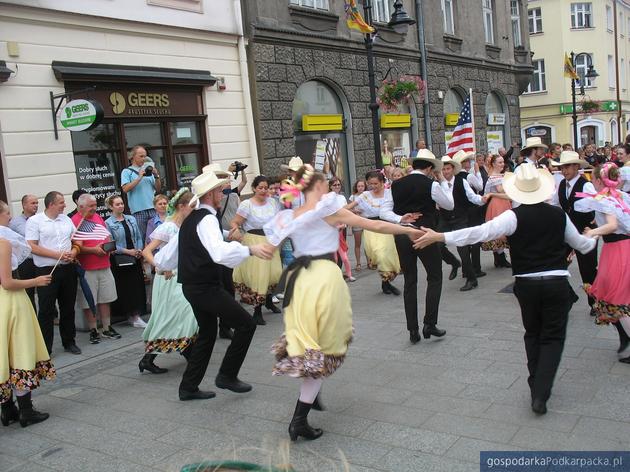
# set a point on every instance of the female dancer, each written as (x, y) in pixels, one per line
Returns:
(611, 288)
(342, 253)
(24, 359)
(256, 278)
(126, 262)
(499, 202)
(379, 248)
(172, 326)
(318, 314)
(160, 203)
(357, 189)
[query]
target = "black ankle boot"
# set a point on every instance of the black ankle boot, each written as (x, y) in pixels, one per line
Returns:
(503, 262)
(146, 363)
(624, 339)
(258, 319)
(9, 412)
(317, 405)
(28, 415)
(299, 424)
(496, 260)
(269, 305)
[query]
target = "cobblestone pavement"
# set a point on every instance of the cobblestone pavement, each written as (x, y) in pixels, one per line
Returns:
(393, 406)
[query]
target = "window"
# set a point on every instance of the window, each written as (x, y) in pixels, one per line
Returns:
(534, 16)
(488, 20)
(515, 10)
(609, 18)
(581, 15)
(319, 4)
(582, 62)
(381, 10)
(537, 83)
(622, 70)
(620, 24)
(447, 14)
(628, 19)
(611, 72)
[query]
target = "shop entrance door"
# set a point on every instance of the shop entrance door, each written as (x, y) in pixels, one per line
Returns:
(186, 166)
(588, 135)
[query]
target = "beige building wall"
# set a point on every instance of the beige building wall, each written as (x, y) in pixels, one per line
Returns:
(542, 109)
(33, 160)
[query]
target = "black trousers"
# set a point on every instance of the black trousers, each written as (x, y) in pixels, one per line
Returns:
(545, 312)
(62, 290)
(465, 253)
(476, 217)
(209, 302)
(587, 264)
(432, 261)
(26, 270)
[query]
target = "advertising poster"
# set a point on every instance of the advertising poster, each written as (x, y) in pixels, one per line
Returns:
(97, 175)
(320, 155)
(324, 154)
(395, 146)
(495, 141)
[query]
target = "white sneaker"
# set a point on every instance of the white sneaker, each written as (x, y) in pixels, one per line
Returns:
(279, 296)
(351, 279)
(139, 323)
(275, 299)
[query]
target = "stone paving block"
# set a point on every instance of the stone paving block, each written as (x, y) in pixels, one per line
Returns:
(8, 462)
(402, 460)
(453, 405)
(360, 451)
(30, 467)
(67, 457)
(500, 380)
(523, 416)
(203, 440)
(430, 386)
(415, 439)
(468, 449)
(602, 428)
(403, 415)
(22, 444)
(540, 439)
(478, 428)
(375, 393)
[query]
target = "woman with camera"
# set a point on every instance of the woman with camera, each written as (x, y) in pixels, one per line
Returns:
(127, 262)
(255, 278)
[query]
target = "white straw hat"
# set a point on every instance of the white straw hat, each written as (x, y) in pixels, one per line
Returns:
(570, 157)
(534, 142)
(461, 156)
(448, 160)
(203, 184)
(428, 156)
(294, 164)
(528, 185)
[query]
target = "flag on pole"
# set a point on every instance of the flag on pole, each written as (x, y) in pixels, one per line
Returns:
(463, 138)
(354, 20)
(569, 71)
(90, 231)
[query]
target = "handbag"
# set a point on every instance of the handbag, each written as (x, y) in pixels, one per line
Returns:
(123, 260)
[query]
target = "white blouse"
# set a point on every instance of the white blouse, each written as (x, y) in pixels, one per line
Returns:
(20, 249)
(257, 215)
(603, 206)
(369, 205)
(310, 234)
(164, 232)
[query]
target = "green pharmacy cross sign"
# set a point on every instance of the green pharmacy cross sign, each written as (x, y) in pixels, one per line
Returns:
(80, 115)
(610, 105)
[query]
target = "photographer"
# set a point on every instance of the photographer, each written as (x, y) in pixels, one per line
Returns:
(140, 183)
(238, 167)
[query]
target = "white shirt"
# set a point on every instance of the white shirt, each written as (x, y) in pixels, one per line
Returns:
(505, 225)
(229, 254)
(588, 188)
(369, 205)
(470, 195)
(257, 215)
(475, 180)
(49, 234)
(18, 224)
(625, 176)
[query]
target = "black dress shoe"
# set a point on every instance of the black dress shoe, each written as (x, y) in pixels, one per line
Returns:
(429, 331)
(539, 406)
(385, 287)
(593, 312)
(470, 284)
(393, 290)
(198, 395)
(73, 349)
(454, 269)
(225, 333)
(269, 305)
(414, 336)
(233, 384)
(481, 273)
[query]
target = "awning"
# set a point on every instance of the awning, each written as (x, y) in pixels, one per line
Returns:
(83, 72)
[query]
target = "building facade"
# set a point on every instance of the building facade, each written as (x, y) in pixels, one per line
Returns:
(170, 75)
(598, 32)
(309, 76)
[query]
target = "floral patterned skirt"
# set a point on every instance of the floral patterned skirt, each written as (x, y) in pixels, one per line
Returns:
(24, 359)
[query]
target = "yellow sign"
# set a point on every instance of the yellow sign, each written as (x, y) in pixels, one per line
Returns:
(156, 101)
(450, 119)
(396, 121)
(322, 122)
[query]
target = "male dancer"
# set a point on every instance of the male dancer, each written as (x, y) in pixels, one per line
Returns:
(573, 183)
(538, 234)
(419, 193)
(533, 151)
(202, 255)
(450, 220)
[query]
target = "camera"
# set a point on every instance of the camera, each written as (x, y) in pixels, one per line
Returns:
(239, 166)
(148, 171)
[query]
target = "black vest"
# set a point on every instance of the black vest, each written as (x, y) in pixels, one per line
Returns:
(580, 220)
(538, 244)
(462, 204)
(412, 194)
(195, 266)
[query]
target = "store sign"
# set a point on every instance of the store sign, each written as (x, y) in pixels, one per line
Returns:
(79, 115)
(610, 105)
(451, 119)
(495, 141)
(140, 103)
(96, 175)
(536, 132)
(496, 119)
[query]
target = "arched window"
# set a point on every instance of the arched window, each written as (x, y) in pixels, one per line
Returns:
(453, 101)
(314, 98)
(497, 133)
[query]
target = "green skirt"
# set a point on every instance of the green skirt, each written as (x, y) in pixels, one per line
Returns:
(172, 326)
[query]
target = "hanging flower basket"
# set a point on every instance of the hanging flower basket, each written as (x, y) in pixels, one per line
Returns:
(393, 93)
(590, 106)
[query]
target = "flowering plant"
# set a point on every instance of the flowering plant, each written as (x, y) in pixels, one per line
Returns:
(590, 106)
(395, 92)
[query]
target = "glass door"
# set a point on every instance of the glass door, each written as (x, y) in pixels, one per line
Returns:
(186, 166)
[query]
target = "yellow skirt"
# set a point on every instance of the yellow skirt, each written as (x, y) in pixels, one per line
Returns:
(382, 255)
(254, 278)
(317, 324)
(24, 359)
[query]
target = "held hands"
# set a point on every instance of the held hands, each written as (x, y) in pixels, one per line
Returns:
(42, 280)
(415, 233)
(263, 251)
(235, 235)
(486, 197)
(428, 238)
(410, 217)
(168, 274)
(68, 256)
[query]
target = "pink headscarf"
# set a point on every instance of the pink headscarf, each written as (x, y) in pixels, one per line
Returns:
(610, 188)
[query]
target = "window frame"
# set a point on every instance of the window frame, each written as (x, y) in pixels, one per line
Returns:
(386, 6)
(533, 19)
(538, 75)
(581, 11)
(579, 66)
(517, 34)
(611, 73)
(448, 4)
(610, 20)
(487, 11)
(323, 5)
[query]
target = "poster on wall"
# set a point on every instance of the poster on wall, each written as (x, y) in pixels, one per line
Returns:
(324, 154)
(495, 141)
(320, 155)
(96, 174)
(395, 147)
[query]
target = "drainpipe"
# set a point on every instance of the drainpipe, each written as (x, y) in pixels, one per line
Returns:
(247, 98)
(423, 71)
(617, 81)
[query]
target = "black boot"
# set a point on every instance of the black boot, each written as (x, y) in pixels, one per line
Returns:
(391, 289)
(496, 260)
(270, 306)
(299, 424)
(258, 319)
(624, 339)
(385, 287)
(146, 363)
(503, 262)
(317, 405)
(9, 412)
(27, 414)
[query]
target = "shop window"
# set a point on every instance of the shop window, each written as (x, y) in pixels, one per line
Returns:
(496, 115)
(542, 132)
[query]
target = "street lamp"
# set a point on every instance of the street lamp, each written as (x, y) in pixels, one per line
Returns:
(591, 74)
(399, 22)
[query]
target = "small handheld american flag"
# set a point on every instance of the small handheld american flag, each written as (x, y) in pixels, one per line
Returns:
(464, 134)
(90, 231)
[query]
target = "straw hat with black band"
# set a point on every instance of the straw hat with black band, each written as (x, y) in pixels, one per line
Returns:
(428, 156)
(457, 167)
(529, 185)
(203, 184)
(532, 143)
(461, 156)
(570, 157)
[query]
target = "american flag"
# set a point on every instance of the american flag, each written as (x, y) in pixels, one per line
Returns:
(464, 134)
(90, 231)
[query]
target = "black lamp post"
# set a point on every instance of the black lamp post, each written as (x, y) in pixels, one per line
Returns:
(399, 22)
(591, 74)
